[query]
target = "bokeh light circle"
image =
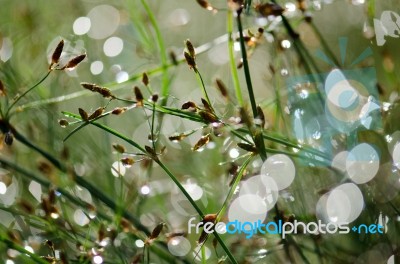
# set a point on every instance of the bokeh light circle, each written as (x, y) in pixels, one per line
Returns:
(113, 46)
(81, 25)
(280, 168)
(179, 246)
(105, 20)
(263, 186)
(362, 163)
(343, 204)
(248, 208)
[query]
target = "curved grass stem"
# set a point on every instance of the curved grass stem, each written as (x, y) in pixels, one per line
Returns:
(202, 85)
(27, 91)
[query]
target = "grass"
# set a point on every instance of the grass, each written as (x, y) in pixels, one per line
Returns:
(207, 139)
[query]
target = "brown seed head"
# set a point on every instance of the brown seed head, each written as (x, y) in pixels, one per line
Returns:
(83, 114)
(204, 4)
(177, 138)
(222, 88)
(261, 116)
(118, 110)
(119, 148)
(138, 95)
(206, 105)
(190, 48)
(247, 147)
(154, 98)
(188, 104)
(145, 79)
(209, 218)
(106, 93)
(90, 86)
(151, 152)
(190, 60)
(157, 231)
(96, 113)
(55, 58)
(270, 9)
(74, 62)
(173, 58)
(208, 117)
(202, 141)
(63, 122)
(127, 161)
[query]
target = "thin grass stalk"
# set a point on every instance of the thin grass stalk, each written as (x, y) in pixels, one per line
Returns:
(202, 85)
(27, 91)
(235, 76)
(163, 53)
(257, 135)
(236, 182)
(164, 62)
(246, 65)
